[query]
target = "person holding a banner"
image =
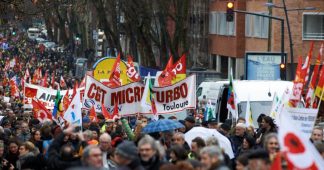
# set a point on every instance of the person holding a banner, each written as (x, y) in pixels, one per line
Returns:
(267, 126)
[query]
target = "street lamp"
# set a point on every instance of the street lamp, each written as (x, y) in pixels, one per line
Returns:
(284, 7)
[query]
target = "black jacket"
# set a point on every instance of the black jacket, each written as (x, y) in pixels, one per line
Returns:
(236, 141)
(153, 164)
(54, 161)
(31, 161)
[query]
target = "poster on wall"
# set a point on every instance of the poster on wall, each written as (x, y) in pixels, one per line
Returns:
(263, 65)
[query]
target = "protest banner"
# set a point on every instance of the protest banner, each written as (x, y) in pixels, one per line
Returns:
(302, 118)
(169, 99)
(45, 95)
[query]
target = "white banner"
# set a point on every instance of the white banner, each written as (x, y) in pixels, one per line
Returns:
(302, 118)
(177, 97)
(45, 95)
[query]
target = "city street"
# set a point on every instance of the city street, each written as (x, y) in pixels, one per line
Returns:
(161, 84)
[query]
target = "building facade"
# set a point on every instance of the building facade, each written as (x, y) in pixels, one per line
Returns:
(229, 41)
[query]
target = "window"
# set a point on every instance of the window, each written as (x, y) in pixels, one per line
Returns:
(199, 92)
(212, 23)
(313, 26)
(256, 26)
(219, 25)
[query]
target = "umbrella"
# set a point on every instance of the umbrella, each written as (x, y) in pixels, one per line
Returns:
(204, 133)
(162, 125)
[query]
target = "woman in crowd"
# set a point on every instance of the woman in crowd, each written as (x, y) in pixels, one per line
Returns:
(13, 153)
(36, 139)
(267, 126)
(271, 145)
(247, 145)
(29, 157)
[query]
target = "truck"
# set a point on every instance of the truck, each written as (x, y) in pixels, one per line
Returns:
(33, 33)
(260, 93)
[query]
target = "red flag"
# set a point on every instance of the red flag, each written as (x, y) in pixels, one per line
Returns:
(312, 83)
(74, 89)
(40, 111)
(62, 82)
(93, 114)
(53, 80)
(276, 164)
(307, 63)
(76, 84)
(36, 76)
(115, 114)
(131, 72)
(30, 92)
(5, 81)
(320, 84)
(27, 75)
(105, 112)
(300, 79)
(82, 84)
(114, 79)
(66, 100)
(165, 78)
(44, 80)
(14, 90)
(180, 66)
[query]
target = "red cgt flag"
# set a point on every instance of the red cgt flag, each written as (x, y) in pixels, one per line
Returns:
(14, 90)
(40, 111)
(165, 78)
(105, 112)
(44, 80)
(93, 114)
(115, 114)
(312, 83)
(131, 72)
(114, 79)
(66, 100)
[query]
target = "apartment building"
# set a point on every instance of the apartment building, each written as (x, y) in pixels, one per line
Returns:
(229, 41)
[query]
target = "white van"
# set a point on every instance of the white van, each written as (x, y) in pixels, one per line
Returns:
(260, 93)
(33, 33)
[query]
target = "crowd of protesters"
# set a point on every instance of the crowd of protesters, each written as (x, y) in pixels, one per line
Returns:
(27, 143)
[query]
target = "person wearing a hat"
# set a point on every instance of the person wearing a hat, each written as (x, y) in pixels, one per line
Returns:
(237, 138)
(212, 123)
(127, 158)
(224, 129)
(189, 123)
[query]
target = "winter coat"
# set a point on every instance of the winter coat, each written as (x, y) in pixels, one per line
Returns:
(55, 161)
(153, 163)
(31, 160)
(24, 136)
(12, 158)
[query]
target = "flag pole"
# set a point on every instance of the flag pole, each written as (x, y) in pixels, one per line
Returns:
(319, 103)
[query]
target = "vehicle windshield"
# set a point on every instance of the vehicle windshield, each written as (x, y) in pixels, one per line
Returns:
(257, 107)
(33, 31)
